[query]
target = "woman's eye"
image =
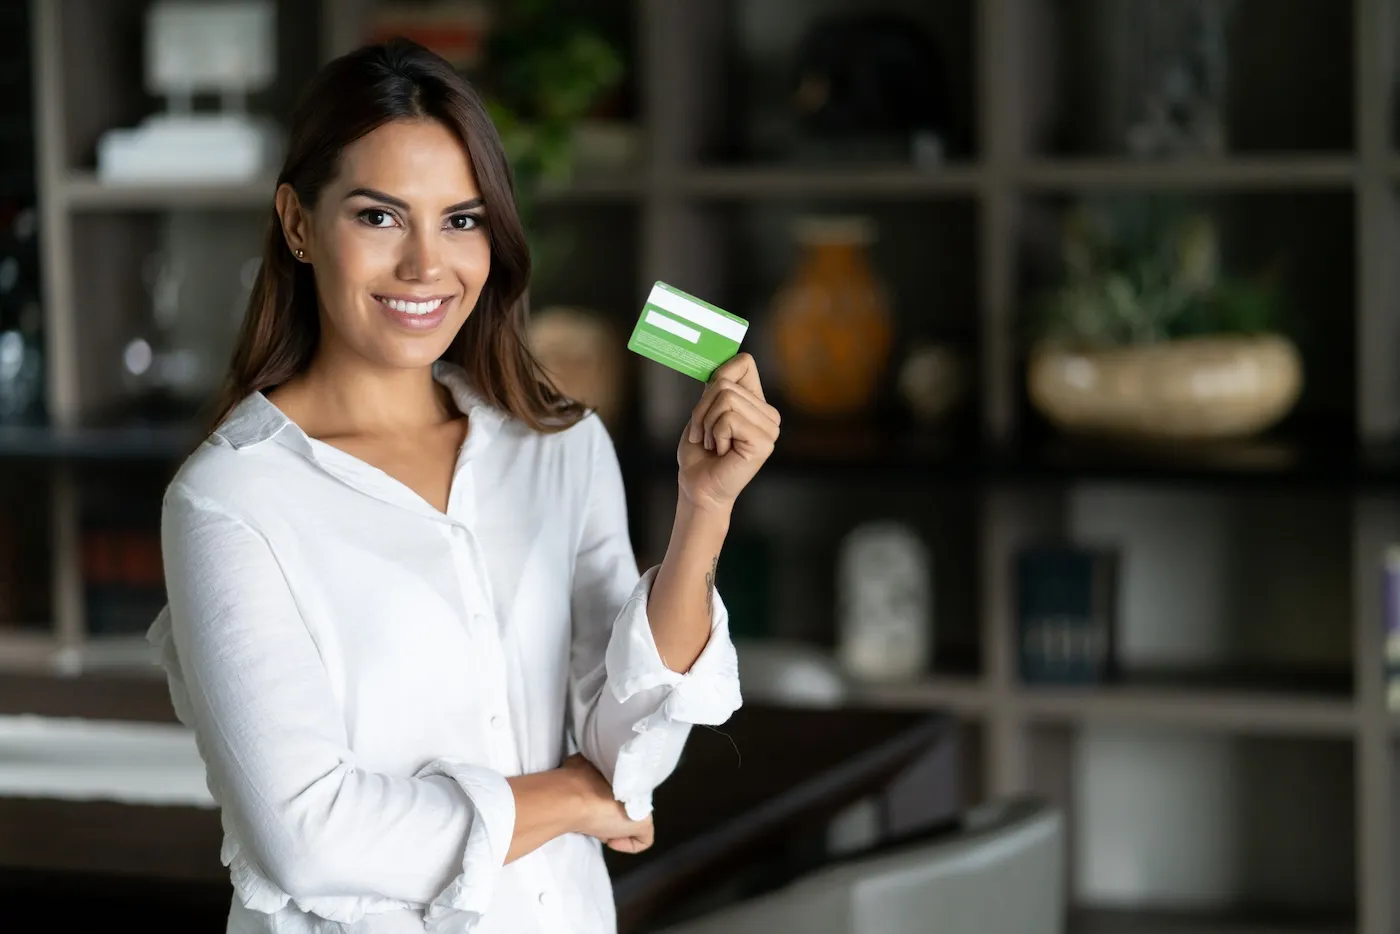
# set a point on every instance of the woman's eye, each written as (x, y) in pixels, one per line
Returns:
(376, 217)
(464, 221)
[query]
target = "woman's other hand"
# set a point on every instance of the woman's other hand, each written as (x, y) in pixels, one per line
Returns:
(729, 436)
(601, 815)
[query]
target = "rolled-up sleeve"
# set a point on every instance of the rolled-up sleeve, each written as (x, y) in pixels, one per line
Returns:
(631, 713)
(305, 822)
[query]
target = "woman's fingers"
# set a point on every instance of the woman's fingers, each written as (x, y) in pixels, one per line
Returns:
(724, 394)
(742, 370)
(736, 400)
(627, 845)
(733, 431)
(641, 839)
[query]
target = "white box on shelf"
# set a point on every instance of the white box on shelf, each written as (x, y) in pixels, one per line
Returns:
(192, 148)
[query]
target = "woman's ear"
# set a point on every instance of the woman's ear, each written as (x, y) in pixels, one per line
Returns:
(296, 222)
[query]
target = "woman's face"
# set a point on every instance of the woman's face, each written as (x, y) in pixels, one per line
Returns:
(399, 244)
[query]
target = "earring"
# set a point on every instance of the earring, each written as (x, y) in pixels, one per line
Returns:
(301, 254)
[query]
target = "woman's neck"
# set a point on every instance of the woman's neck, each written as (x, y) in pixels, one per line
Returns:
(336, 399)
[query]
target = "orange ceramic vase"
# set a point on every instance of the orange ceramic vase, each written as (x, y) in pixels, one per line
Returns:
(831, 328)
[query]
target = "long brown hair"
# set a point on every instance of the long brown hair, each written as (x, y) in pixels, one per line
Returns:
(349, 98)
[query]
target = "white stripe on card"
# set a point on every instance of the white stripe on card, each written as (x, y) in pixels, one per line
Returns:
(696, 314)
(674, 326)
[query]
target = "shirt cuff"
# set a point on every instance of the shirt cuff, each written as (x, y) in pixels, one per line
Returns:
(707, 694)
(488, 843)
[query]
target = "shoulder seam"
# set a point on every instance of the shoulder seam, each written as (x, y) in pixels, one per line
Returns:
(209, 504)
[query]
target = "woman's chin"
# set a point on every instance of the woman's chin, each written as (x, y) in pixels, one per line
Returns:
(411, 353)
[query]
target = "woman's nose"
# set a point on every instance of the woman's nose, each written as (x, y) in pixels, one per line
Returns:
(422, 259)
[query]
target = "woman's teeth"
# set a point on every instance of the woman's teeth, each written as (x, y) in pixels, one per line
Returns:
(412, 308)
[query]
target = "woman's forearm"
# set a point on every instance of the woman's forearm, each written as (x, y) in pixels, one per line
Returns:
(679, 605)
(574, 798)
(547, 805)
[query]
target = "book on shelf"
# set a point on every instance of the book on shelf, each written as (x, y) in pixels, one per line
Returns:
(1066, 597)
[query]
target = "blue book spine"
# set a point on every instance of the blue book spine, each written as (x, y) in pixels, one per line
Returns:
(1065, 603)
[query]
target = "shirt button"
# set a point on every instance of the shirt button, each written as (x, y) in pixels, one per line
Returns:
(496, 722)
(544, 898)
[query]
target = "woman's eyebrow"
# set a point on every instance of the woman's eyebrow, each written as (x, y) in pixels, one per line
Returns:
(403, 205)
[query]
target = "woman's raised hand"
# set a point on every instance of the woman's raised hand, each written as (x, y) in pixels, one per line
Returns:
(729, 436)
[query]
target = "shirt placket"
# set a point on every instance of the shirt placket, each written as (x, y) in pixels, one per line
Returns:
(549, 904)
(489, 661)
(475, 582)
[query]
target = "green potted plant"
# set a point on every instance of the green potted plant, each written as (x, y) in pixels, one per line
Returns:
(1145, 337)
(545, 73)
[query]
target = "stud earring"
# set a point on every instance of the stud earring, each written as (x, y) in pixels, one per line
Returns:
(301, 254)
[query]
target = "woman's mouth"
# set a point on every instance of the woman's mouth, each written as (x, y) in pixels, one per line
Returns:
(416, 314)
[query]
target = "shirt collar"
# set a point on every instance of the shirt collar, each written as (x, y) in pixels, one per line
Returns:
(256, 419)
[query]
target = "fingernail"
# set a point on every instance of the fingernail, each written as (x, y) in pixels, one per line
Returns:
(690, 435)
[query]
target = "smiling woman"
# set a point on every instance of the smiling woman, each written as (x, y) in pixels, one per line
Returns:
(400, 259)
(378, 142)
(427, 679)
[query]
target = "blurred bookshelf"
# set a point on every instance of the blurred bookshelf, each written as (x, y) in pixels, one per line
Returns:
(1126, 921)
(858, 182)
(1313, 160)
(158, 444)
(1227, 710)
(83, 191)
(913, 455)
(966, 695)
(1241, 174)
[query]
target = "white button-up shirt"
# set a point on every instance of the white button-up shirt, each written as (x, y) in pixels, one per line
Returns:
(362, 671)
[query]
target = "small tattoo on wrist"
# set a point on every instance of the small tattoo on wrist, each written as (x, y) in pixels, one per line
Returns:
(710, 584)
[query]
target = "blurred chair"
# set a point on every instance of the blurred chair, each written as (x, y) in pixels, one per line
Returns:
(1000, 870)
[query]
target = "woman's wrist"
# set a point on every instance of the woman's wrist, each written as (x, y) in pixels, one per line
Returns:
(707, 522)
(582, 799)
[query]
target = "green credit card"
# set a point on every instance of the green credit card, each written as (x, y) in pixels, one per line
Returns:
(686, 333)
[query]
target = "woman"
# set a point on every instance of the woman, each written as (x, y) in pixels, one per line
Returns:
(401, 590)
